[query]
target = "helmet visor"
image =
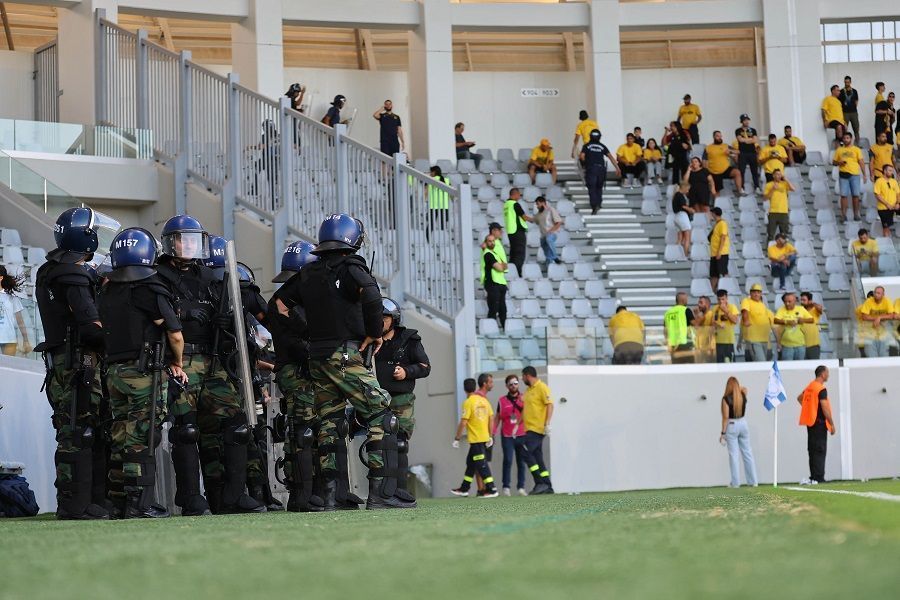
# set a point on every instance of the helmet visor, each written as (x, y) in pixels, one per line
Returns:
(187, 245)
(106, 228)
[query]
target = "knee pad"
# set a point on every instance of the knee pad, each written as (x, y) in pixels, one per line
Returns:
(186, 433)
(148, 468)
(236, 432)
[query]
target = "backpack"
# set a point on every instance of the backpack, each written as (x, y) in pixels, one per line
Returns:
(16, 498)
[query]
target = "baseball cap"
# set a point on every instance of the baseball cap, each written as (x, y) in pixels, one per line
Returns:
(545, 142)
(756, 287)
(744, 116)
(495, 225)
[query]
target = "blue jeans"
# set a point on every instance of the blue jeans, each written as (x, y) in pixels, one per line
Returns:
(850, 186)
(793, 353)
(876, 348)
(756, 352)
(548, 243)
(737, 437)
(513, 447)
(780, 271)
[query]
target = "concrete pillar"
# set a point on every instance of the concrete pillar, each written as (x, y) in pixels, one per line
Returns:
(431, 83)
(77, 33)
(603, 70)
(257, 48)
(794, 70)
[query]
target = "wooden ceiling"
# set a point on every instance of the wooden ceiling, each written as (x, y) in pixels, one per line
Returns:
(210, 42)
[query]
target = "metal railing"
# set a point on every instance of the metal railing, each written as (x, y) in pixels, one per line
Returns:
(204, 138)
(260, 173)
(118, 80)
(162, 98)
(46, 82)
(312, 163)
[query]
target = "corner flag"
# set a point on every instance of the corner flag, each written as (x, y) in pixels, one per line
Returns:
(775, 393)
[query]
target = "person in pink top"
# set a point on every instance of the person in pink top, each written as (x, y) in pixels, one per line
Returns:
(512, 433)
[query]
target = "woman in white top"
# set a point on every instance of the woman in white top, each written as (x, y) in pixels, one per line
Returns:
(736, 434)
(11, 314)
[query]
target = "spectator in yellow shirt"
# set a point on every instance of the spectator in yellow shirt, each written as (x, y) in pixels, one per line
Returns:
(881, 154)
(536, 415)
(776, 192)
(723, 317)
(796, 149)
(790, 334)
(478, 422)
(833, 114)
(865, 250)
(756, 325)
(879, 92)
(717, 158)
(689, 116)
(541, 160)
(887, 193)
(583, 131)
(626, 330)
(653, 162)
(719, 248)
(811, 330)
(849, 159)
(772, 157)
(704, 336)
(782, 258)
(876, 311)
(630, 157)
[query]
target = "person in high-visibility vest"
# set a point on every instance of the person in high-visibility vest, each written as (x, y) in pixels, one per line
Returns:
(677, 323)
(493, 277)
(516, 228)
(438, 202)
(815, 414)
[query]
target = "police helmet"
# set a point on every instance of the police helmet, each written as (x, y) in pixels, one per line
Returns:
(132, 255)
(595, 135)
(339, 100)
(245, 275)
(340, 232)
(391, 309)
(83, 230)
(295, 257)
(184, 237)
(216, 259)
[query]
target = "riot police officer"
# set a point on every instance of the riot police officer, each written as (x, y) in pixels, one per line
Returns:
(343, 314)
(72, 350)
(209, 412)
(593, 156)
(143, 340)
(398, 364)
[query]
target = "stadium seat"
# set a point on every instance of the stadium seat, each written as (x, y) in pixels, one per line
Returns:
(755, 267)
(750, 234)
(570, 254)
(499, 180)
(574, 222)
(751, 250)
(486, 154)
(581, 308)
(477, 180)
(814, 157)
(531, 193)
(489, 365)
(456, 179)
(807, 266)
(486, 194)
(650, 207)
(725, 203)
(488, 166)
(819, 187)
(532, 271)
(556, 308)
(749, 218)
(503, 349)
(529, 350)
(586, 349)
(596, 325)
(505, 154)
(544, 289)
(569, 290)
(531, 309)
(36, 256)
(495, 209)
(562, 238)
(674, 253)
(810, 283)
(828, 231)
(699, 252)
(583, 271)
(699, 236)
(886, 245)
(519, 289)
(565, 208)
(480, 225)
(835, 264)
(823, 216)
(555, 193)
(422, 165)
(748, 203)
(730, 285)
(832, 247)
(594, 289)
(606, 307)
(557, 350)
(751, 281)
(701, 287)
(488, 328)
(698, 269)
(521, 180)
(447, 167)
(10, 237)
(12, 255)
(539, 327)
(805, 248)
(798, 217)
(650, 191)
(838, 282)
(543, 180)
(481, 309)
(817, 174)
(533, 238)
(701, 220)
(466, 165)
(524, 155)
(557, 272)
(671, 236)
(801, 232)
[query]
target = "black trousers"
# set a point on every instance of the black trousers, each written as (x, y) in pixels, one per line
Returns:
(634, 170)
(745, 159)
(680, 163)
(817, 445)
(517, 249)
(594, 179)
(534, 457)
(694, 131)
(476, 462)
(724, 353)
(813, 352)
(628, 353)
(496, 301)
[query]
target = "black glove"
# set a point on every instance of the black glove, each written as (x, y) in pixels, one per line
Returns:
(224, 322)
(200, 315)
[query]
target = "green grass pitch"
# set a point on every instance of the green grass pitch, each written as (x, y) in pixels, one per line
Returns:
(692, 543)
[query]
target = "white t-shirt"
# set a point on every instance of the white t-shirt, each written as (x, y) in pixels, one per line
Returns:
(9, 306)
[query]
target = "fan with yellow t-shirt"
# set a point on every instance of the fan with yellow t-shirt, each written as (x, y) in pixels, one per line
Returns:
(583, 131)
(776, 192)
(794, 146)
(717, 158)
(630, 157)
(849, 160)
(811, 330)
(878, 312)
(791, 336)
(887, 194)
(723, 317)
(756, 325)
(881, 154)
(865, 250)
(833, 113)
(689, 116)
(772, 157)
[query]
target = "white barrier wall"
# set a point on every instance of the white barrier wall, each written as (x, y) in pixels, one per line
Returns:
(875, 413)
(17, 91)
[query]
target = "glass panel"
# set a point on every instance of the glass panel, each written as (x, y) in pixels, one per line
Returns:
(860, 52)
(878, 52)
(822, 32)
(877, 30)
(889, 53)
(836, 54)
(888, 30)
(860, 31)
(835, 32)
(67, 138)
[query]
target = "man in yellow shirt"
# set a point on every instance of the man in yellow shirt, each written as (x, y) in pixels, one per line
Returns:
(833, 114)
(717, 160)
(811, 330)
(723, 317)
(776, 192)
(790, 334)
(887, 194)
(536, 415)
(719, 248)
(782, 258)
(630, 157)
(478, 423)
(626, 329)
(756, 325)
(689, 116)
(772, 157)
(879, 92)
(583, 131)
(881, 154)
(796, 149)
(541, 160)
(865, 250)
(878, 311)
(849, 159)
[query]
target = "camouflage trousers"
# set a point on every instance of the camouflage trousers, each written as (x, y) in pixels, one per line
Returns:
(403, 405)
(61, 388)
(336, 381)
(300, 409)
(213, 401)
(131, 396)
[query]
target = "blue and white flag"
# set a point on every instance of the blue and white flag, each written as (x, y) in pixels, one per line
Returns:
(775, 393)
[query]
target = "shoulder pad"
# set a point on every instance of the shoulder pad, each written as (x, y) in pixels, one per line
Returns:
(409, 335)
(156, 284)
(71, 274)
(354, 260)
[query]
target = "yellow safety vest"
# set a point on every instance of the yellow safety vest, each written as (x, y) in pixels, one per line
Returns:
(500, 254)
(677, 329)
(438, 199)
(513, 222)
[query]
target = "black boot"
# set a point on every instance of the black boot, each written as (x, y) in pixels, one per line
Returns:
(139, 506)
(186, 463)
(329, 495)
(195, 506)
(260, 492)
(73, 499)
(298, 502)
(377, 501)
(403, 470)
(234, 496)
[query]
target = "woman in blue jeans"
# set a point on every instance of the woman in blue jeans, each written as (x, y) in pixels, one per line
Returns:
(736, 433)
(512, 434)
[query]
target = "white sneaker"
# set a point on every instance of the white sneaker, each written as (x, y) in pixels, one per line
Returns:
(522, 492)
(459, 492)
(805, 481)
(506, 491)
(813, 482)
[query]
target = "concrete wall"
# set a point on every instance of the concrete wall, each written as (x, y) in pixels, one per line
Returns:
(864, 77)
(17, 90)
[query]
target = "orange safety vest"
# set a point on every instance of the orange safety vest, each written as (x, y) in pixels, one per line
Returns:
(809, 409)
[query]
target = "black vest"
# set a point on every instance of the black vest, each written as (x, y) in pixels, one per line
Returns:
(53, 278)
(127, 327)
(395, 353)
(194, 290)
(290, 347)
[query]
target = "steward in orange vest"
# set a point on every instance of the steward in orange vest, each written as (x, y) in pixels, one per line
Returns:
(815, 414)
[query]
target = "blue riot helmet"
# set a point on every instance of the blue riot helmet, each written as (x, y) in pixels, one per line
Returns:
(295, 257)
(340, 233)
(391, 309)
(216, 259)
(184, 237)
(595, 135)
(245, 275)
(133, 255)
(83, 230)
